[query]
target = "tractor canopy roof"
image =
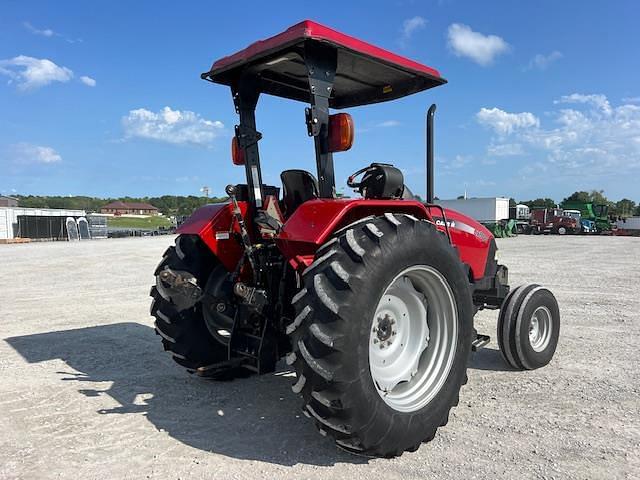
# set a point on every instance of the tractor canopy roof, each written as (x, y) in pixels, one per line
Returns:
(364, 73)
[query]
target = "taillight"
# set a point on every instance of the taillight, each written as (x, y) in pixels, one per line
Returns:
(341, 132)
(237, 154)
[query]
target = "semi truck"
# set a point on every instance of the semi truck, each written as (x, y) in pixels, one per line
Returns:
(553, 220)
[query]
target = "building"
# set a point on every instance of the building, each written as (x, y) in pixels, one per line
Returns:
(8, 201)
(129, 208)
(10, 224)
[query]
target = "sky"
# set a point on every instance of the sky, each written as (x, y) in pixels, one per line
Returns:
(104, 98)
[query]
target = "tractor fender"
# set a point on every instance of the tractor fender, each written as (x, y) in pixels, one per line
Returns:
(313, 223)
(215, 226)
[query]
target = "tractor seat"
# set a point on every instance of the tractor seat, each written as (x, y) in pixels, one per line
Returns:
(298, 186)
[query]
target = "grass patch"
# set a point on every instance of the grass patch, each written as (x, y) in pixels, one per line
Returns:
(150, 223)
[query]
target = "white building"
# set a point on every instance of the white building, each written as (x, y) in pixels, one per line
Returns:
(9, 217)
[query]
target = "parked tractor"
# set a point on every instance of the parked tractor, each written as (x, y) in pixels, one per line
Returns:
(370, 300)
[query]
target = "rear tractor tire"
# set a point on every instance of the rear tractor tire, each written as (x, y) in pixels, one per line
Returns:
(184, 331)
(382, 335)
(528, 327)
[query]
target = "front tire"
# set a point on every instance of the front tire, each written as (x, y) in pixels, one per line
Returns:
(365, 277)
(529, 327)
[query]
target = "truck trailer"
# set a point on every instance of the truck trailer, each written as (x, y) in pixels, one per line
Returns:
(484, 210)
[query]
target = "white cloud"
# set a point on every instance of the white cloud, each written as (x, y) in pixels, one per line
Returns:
(171, 126)
(88, 81)
(595, 139)
(389, 123)
(28, 154)
(482, 49)
(542, 62)
(30, 73)
(631, 99)
(506, 123)
(455, 163)
(47, 32)
(505, 150)
(410, 26)
(599, 101)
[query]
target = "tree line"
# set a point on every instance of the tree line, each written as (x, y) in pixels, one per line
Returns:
(185, 205)
(168, 205)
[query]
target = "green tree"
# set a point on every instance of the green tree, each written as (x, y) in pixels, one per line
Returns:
(581, 196)
(625, 207)
(598, 198)
(540, 203)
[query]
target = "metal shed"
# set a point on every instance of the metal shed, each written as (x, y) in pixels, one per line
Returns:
(9, 218)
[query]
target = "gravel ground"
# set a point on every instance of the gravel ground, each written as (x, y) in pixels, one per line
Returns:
(87, 392)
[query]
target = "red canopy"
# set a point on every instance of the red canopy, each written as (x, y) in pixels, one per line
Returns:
(365, 73)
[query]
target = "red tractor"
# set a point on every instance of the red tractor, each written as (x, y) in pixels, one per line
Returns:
(372, 299)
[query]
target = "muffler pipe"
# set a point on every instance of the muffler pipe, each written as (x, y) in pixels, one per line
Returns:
(430, 118)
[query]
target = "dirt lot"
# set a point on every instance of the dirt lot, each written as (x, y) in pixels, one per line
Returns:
(87, 392)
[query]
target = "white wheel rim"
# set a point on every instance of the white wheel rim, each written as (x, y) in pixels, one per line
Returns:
(540, 329)
(413, 338)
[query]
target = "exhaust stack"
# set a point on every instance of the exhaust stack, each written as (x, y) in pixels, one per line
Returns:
(430, 116)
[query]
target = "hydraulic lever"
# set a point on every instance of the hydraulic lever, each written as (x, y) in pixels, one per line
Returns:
(244, 234)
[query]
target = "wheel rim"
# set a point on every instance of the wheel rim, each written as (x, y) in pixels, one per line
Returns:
(540, 329)
(413, 338)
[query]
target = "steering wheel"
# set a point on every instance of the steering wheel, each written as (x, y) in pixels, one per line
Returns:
(351, 180)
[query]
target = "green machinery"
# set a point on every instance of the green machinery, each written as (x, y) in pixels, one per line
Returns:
(502, 228)
(589, 211)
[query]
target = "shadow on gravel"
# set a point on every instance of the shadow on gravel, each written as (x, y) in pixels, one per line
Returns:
(257, 418)
(489, 359)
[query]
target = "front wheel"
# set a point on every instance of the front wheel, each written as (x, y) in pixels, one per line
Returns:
(382, 335)
(528, 327)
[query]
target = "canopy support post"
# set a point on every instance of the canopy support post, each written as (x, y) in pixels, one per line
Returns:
(321, 62)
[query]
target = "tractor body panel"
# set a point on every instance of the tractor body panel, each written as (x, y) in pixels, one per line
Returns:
(214, 224)
(315, 221)
(472, 240)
